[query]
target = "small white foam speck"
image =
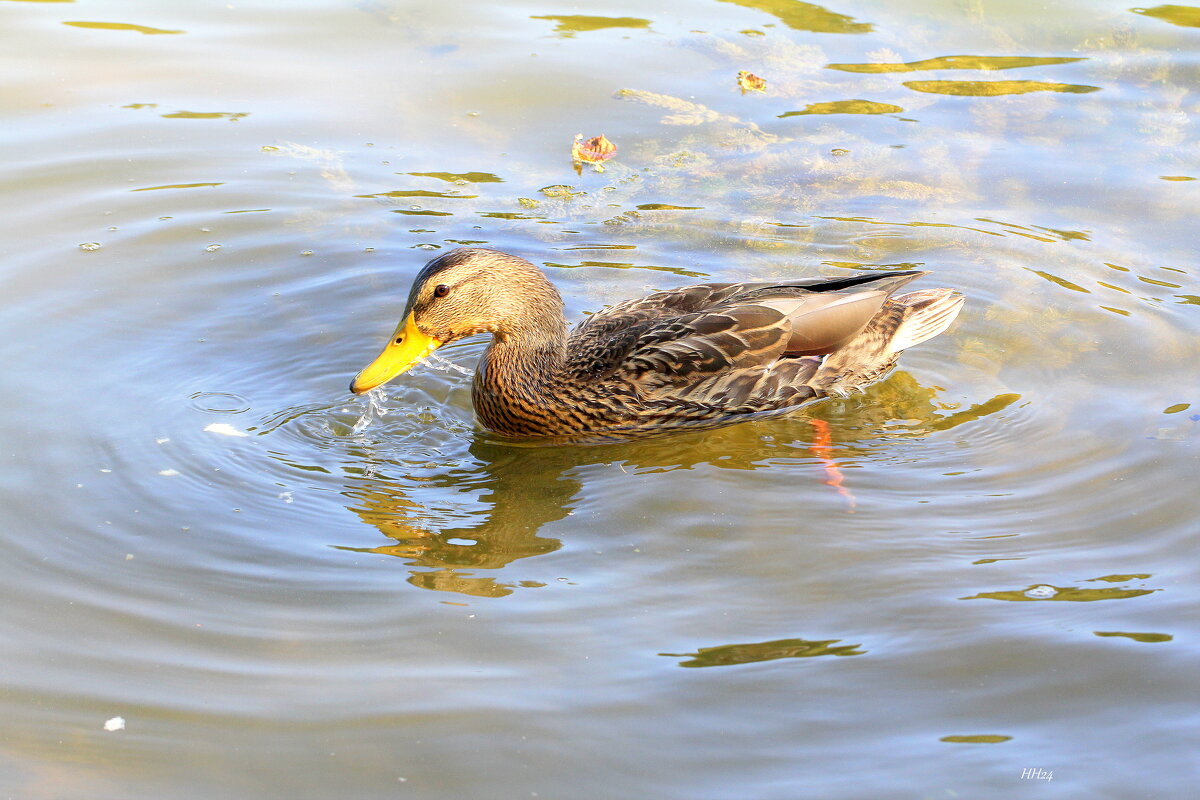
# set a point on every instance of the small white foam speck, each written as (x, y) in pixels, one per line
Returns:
(224, 428)
(168, 472)
(115, 724)
(162, 440)
(286, 496)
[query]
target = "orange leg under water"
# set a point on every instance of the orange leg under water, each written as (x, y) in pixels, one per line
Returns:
(822, 450)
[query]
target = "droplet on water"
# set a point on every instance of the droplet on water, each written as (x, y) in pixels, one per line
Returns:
(90, 246)
(306, 252)
(1041, 592)
(212, 248)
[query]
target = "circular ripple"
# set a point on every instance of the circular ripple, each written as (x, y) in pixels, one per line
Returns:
(220, 402)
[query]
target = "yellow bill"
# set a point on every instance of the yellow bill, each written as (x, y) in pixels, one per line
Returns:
(407, 347)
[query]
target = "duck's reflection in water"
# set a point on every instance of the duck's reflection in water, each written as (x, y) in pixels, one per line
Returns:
(504, 493)
(522, 489)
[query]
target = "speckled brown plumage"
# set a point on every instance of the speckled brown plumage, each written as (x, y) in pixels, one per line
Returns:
(698, 356)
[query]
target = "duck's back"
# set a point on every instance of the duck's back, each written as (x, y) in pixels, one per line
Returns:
(711, 354)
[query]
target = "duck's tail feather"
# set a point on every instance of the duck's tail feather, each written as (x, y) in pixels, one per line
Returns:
(924, 315)
(905, 320)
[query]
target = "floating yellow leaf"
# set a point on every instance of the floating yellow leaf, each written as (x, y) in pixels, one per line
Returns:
(729, 655)
(1138, 637)
(806, 16)
(465, 177)
(994, 88)
(120, 26)
(1055, 593)
(1187, 16)
(749, 82)
(403, 193)
(206, 115)
(592, 151)
(955, 62)
(846, 107)
(176, 186)
(569, 25)
(1063, 282)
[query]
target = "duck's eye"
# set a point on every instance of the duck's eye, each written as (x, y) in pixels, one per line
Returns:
(441, 290)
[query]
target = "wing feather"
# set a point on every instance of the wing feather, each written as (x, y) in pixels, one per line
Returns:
(738, 347)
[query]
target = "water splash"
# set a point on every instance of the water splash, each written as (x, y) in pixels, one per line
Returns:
(375, 410)
(434, 361)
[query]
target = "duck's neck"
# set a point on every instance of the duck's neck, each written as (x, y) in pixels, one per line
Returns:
(514, 388)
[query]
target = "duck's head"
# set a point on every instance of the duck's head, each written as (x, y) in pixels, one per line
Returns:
(463, 292)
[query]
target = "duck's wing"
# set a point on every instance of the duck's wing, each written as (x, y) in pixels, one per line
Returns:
(718, 363)
(675, 332)
(706, 296)
(687, 350)
(685, 337)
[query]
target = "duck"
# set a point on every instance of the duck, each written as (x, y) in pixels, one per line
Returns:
(698, 356)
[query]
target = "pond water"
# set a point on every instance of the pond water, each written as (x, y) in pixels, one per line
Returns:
(982, 567)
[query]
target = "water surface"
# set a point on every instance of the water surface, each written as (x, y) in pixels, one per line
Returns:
(981, 565)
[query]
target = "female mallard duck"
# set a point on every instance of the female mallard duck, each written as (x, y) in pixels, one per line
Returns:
(698, 356)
